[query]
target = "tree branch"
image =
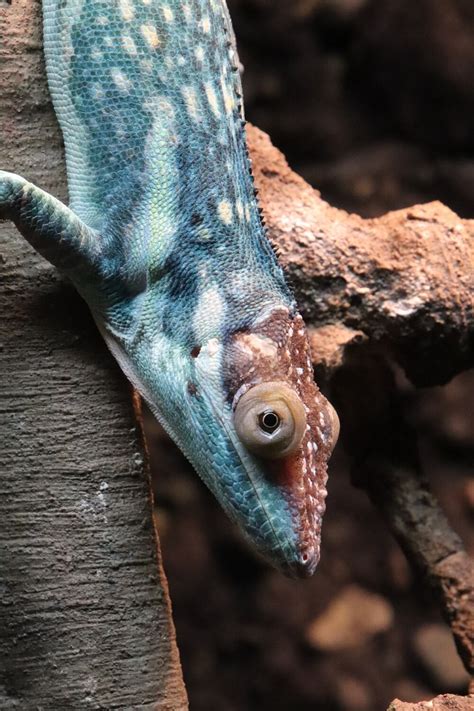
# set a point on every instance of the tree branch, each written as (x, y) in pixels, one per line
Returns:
(404, 280)
(395, 288)
(85, 617)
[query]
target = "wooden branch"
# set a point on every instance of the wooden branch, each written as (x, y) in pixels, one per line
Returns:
(85, 616)
(446, 702)
(404, 280)
(386, 464)
(401, 288)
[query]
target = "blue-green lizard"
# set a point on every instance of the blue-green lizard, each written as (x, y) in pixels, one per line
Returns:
(164, 240)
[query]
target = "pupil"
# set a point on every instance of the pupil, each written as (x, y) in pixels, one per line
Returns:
(269, 421)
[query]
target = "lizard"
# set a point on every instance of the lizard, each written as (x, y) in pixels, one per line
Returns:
(165, 241)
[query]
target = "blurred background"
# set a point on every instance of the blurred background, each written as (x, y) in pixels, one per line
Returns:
(372, 101)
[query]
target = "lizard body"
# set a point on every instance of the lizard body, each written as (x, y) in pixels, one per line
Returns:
(164, 240)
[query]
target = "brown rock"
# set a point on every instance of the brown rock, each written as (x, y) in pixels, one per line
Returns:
(351, 619)
(446, 702)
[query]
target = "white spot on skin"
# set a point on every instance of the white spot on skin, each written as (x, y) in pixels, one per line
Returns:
(209, 317)
(187, 12)
(212, 99)
(120, 80)
(205, 25)
(96, 55)
(127, 10)
(102, 20)
(150, 35)
(204, 234)
(199, 53)
(147, 65)
(97, 92)
(240, 209)
(181, 60)
(252, 344)
(190, 98)
(108, 41)
(168, 13)
(300, 371)
(213, 347)
(247, 213)
(129, 45)
(225, 211)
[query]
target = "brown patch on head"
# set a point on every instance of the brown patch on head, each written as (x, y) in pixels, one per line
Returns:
(277, 349)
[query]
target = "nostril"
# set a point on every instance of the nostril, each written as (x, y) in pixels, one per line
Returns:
(304, 557)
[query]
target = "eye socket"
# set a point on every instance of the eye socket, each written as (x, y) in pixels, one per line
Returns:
(270, 420)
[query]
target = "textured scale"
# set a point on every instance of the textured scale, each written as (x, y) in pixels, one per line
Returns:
(164, 240)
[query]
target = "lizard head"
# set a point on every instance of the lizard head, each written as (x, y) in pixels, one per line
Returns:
(244, 409)
(262, 434)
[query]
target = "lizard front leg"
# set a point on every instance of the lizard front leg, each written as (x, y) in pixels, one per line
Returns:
(52, 229)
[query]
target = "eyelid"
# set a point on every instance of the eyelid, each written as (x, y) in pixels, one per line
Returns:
(278, 397)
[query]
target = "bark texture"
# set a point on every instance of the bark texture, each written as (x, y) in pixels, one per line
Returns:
(446, 702)
(395, 289)
(85, 616)
(404, 280)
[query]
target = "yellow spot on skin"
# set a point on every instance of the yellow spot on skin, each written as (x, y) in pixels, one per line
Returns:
(199, 52)
(168, 13)
(129, 45)
(191, 102)
(228, 100)
(150, 35)
(212, 99)
(206, 25)
(225, 211)
(127, 10)
(146, 2)
(120, 80)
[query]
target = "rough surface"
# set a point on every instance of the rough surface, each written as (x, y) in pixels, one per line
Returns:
(398, 287)
(403, 280)
(446, 702)
(85, 617)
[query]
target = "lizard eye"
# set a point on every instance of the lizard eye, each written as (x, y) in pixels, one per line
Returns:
(270, 420)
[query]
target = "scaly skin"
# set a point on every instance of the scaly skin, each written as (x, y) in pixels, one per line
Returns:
(164, 240)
